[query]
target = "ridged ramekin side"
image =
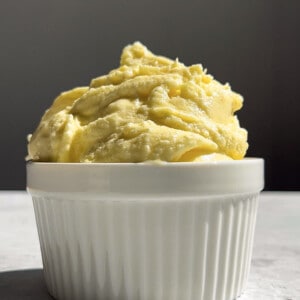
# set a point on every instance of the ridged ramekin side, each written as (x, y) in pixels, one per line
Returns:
(197, 248)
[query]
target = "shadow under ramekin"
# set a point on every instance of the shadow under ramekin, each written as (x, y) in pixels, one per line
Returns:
(23, 285)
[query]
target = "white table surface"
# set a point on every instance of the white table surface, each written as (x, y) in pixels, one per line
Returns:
(275, 269)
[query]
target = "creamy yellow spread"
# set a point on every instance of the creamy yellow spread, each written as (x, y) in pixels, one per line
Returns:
(150, 108)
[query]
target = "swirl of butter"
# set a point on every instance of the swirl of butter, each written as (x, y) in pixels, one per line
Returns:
(149, 109)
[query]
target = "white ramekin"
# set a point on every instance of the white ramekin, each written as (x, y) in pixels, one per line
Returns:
(168, 231)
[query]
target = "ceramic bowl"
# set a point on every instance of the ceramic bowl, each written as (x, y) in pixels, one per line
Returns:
(146, 231)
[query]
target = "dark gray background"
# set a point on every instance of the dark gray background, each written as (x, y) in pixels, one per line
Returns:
(51, 46)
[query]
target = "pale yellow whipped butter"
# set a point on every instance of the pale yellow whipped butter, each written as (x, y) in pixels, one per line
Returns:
(150, 108)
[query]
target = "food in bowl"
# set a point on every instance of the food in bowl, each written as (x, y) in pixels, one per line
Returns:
(150, 108)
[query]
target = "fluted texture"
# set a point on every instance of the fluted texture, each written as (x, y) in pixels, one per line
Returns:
(192, 249)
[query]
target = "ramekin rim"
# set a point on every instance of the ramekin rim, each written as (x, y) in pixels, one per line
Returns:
(246, 160)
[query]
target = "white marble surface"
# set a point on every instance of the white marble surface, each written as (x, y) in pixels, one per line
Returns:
(275, 271)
